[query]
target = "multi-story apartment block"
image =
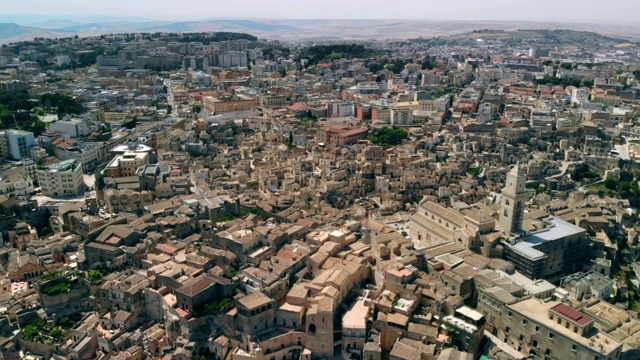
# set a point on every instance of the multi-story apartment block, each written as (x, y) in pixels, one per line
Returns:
(340, 109)
(126, 164)
(72, 128)
(17, 144)
(232, 59)
(63, 179)
(89, 156)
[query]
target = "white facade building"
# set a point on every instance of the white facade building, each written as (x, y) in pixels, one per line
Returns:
(73, 128)
(63, 179)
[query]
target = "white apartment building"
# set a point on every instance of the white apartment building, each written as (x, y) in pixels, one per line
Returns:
(73, 128)
(88, 157)
(341, 109)
(63, 179)
(232, 59)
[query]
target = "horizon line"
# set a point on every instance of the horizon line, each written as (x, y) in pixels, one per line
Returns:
(135, 19)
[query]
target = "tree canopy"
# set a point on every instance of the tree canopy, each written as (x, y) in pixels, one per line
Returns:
(319, 53)
(552, 80)
(388, 136)
(16, 109)
(61, 103)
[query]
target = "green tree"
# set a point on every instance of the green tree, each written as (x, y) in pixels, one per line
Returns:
(31, 331)
(283, 72)
(388, 136)
(611, 184)
(624, 188)
(94, 275)
(6, 117)
(56, 333)
(38, 128)
(61, 103)
(196, 109)
(438, 94)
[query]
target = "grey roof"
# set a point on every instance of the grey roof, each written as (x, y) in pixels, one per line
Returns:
(557, 229)
(500, 294)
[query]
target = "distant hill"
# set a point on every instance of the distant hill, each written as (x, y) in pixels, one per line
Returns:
(10, 32)
(220, 25)
(309, 30)
(95, 28)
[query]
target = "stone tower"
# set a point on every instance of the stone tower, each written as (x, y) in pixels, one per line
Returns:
(99, 187)
(514, 195)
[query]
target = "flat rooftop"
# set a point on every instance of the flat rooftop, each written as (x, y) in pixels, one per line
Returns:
(557, 229)
(538, 312)
(531, 286)
(449, 259)
(356, 317)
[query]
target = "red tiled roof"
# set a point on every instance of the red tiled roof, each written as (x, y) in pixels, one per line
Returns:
(284, 254)
(182, 312)
(571, 314)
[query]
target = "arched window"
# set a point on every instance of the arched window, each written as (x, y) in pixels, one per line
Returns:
(312, 329)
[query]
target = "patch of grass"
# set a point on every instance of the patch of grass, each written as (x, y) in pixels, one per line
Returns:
(214, 307)
(60, 287)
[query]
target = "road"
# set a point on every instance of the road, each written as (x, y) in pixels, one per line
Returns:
(170, 100)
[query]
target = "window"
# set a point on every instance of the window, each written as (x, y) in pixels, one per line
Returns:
(509, 314)
(537, 328)
(524, 322)
(574, 348)
(534, 343)
(551, 336)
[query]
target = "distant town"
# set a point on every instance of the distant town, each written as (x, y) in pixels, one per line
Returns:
(222, 196)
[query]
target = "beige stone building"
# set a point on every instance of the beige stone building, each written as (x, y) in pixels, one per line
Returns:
(552, 330)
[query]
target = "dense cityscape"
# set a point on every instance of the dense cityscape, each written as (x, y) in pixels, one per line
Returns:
(217, 195)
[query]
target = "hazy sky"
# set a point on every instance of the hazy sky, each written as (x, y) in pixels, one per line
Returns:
(587, 10)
